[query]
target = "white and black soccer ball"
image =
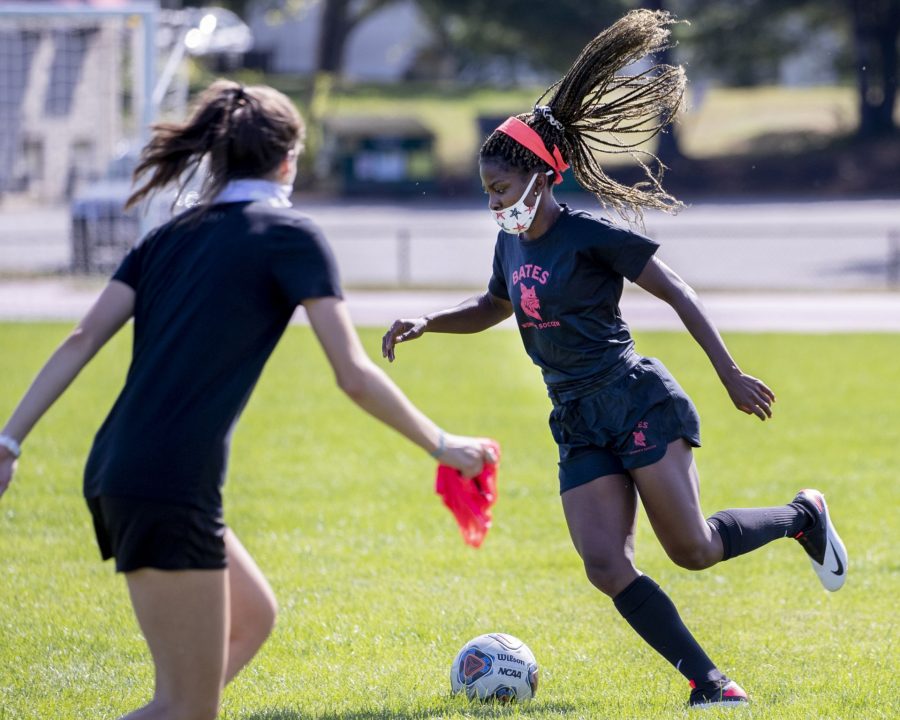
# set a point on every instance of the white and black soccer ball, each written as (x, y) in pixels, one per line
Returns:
(493, 667)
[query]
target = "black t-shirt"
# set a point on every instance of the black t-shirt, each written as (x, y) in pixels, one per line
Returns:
(565, 288)
(213, 297)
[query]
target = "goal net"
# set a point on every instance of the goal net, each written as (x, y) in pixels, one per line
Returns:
(76, 82)
(74, 92)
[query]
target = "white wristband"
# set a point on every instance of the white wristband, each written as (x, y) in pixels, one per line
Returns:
(14, 447)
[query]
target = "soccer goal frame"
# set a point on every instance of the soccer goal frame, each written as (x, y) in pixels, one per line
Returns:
(48, 134)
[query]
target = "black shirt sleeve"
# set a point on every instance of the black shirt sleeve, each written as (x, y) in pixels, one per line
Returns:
(302, 263)
(497, 283)
(626, 252)
(129, 270)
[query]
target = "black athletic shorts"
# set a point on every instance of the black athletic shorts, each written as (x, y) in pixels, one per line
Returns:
(142, 533)
(622, 425)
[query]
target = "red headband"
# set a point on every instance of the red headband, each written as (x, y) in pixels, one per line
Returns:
(528, 138)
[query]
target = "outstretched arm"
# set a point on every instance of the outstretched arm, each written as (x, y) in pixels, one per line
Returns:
(749, 394)
(368, 386)
(111, 310)
(471, 316)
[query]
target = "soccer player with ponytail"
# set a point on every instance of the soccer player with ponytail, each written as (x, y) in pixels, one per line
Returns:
(624, 427)
(211, 293)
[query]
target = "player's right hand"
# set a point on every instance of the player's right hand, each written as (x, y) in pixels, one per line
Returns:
(401, 331)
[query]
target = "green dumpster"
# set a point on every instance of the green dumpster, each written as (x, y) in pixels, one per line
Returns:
(379, 155)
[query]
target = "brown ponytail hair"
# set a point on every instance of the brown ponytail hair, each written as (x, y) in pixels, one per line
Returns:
(244, 131)
(593, 109)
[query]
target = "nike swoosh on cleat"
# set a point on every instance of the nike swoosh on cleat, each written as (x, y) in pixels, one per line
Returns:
(837, 560)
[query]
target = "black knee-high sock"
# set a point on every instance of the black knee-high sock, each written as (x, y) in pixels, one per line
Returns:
(654, 617)
(743, 530)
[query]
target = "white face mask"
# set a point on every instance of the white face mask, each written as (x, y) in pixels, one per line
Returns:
(518, 218)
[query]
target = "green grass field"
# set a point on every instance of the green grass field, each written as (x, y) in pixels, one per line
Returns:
(377, 589)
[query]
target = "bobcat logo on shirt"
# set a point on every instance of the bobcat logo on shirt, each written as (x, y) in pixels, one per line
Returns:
(529, 302)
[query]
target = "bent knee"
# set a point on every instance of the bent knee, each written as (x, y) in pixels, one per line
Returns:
(266, 609)
(270, 616)
(695, 556)
(608, 575)
(260, 626)
(258, 620)
(198, 712)
(191, 708)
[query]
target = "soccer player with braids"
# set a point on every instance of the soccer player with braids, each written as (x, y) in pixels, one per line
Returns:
(211, 293)
(624, 427)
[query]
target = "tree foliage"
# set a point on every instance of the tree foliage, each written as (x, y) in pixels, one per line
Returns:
(740, 42)
(338, 19)
(744, 41)
(540, 35)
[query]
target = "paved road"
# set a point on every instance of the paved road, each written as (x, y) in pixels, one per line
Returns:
(67, 300)
(846, 245)
(744, 246)
(781, 266)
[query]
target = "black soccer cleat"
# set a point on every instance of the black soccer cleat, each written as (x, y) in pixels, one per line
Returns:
(821, 542)
(720, 693)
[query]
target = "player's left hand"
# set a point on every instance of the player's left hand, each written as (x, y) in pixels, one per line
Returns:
(750, 395)
(468, 454)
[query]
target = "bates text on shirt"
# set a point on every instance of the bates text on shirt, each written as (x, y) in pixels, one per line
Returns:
(531, 272)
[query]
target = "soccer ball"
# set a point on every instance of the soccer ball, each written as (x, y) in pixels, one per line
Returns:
(497, 667)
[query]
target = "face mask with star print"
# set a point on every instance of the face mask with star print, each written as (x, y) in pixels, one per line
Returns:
(518, 218)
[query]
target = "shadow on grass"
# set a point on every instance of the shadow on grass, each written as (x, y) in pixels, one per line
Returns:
(473, 711)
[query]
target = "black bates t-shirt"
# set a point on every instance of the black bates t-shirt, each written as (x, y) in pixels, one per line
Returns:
(212, 298)
(565, 288)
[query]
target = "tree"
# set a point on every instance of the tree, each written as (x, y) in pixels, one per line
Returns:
(339, 18)
(241, 8)
(744, 43)
(876, 30)
(531, 34)
(668, 149)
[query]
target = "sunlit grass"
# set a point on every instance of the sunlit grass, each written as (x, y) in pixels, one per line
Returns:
(377, 589)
